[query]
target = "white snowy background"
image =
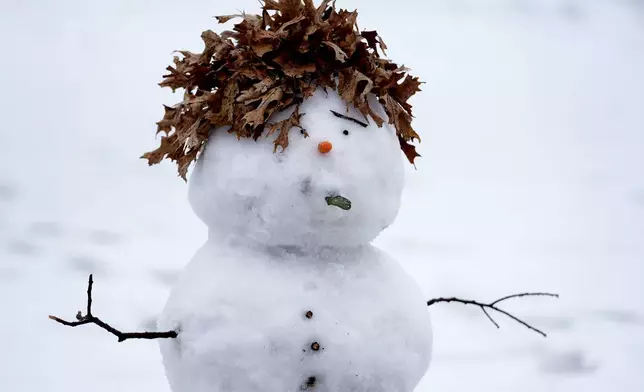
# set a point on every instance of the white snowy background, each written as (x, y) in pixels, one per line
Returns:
(532, 178)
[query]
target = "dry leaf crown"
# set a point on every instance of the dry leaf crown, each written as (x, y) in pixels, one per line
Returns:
(274, 61)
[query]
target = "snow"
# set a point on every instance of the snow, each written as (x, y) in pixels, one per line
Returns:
(241, 313)
(241, 189)
(531, 179)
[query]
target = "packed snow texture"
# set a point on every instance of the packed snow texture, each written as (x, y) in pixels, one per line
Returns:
(242, 189)
(241, 314)
(531, 179)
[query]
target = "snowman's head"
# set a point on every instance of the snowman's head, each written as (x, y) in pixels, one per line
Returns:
(263, 171)
(300, 195)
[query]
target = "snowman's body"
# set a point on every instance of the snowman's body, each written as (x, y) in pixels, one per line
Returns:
(287, 294)
(243, 322)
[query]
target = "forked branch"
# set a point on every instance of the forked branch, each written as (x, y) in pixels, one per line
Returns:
(493, 306)
(89, 318)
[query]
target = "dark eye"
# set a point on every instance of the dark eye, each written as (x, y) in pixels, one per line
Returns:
(345, 132)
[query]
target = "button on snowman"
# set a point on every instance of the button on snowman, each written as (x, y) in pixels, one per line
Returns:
(293, 183)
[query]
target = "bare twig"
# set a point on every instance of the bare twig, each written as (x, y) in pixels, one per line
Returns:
(89, 318)
(338, 115)
(492, 305)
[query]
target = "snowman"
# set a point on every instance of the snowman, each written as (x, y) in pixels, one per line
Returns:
(298, 130)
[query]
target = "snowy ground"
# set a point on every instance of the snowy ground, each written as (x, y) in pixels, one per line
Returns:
(532, 178)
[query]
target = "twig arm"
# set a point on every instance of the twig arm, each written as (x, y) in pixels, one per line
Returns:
(493, 306)
(89, 318)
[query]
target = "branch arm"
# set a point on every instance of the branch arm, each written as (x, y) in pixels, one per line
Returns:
(492, 306)
(89, 318)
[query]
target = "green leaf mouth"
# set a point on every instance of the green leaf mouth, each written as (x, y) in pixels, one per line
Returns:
(338, 201)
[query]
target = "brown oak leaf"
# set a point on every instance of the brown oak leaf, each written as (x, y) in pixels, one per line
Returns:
(167, 147)
(372, 39)
(367, 112)
(226, 18)
(261, 48)
(215, 45)
(339, 53)
(225, 114)
(256, 90)
(399, 118)
(409, 150)
(354, 86)
(284, 127)
(270, 101)
(169, 120)
(407, 88)
(291, 23)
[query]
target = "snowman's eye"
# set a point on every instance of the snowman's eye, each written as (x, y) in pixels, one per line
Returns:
(345, 132)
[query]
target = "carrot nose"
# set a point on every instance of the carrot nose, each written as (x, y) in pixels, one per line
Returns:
(324, 147)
